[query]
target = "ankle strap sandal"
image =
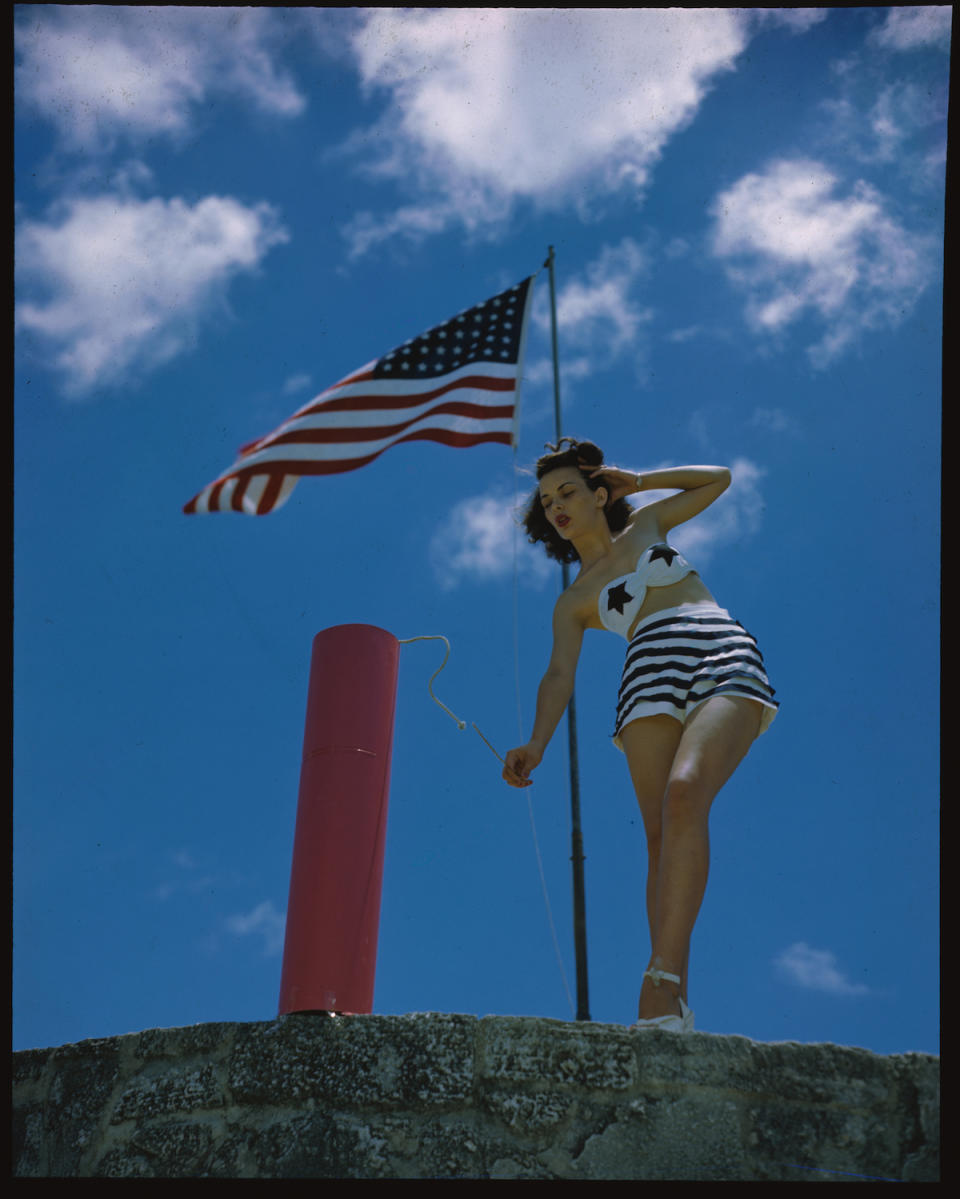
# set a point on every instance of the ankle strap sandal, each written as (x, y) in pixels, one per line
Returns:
(681, 1023)
(659, 975)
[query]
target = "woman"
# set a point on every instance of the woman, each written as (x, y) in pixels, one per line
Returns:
(693, 696)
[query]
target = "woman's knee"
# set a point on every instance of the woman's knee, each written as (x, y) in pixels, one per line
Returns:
(687, 799)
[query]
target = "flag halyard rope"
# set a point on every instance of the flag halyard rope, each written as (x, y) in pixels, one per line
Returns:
(461, 724)
(516, 683)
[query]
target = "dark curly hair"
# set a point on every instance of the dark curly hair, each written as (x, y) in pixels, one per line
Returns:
(585, 456)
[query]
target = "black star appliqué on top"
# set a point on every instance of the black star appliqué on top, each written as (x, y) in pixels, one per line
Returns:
(664, 552)
(618, 597)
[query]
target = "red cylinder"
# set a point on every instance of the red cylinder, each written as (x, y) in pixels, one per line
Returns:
(333, 912)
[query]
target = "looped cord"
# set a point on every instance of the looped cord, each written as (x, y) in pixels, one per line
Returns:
(461, 724)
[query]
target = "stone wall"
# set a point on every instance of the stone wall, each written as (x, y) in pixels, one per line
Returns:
(450, 1096)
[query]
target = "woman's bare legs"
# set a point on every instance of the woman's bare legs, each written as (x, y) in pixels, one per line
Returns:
(675, 791)
(650, 745)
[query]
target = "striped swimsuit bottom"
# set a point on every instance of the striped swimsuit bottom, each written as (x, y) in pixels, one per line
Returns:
(679, 657)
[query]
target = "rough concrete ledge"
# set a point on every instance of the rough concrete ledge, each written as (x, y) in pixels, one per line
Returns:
(450, 1096)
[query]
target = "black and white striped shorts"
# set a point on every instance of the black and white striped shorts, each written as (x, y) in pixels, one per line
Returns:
(679, 657)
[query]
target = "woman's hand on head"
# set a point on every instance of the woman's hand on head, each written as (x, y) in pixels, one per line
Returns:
(518, 764)
(619, 483)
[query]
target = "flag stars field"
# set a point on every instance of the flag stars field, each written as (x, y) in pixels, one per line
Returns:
(249, 227)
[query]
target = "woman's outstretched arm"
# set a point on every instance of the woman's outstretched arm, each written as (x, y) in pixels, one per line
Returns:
(553, 694)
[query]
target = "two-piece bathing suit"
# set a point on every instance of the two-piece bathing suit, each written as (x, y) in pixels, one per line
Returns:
(679, 657)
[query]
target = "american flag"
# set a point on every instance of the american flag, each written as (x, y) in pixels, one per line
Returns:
(455, 384)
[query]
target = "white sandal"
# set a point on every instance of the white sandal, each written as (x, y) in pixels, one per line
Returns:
(681, 1023)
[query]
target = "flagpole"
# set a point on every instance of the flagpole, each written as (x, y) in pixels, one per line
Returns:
(577, 855)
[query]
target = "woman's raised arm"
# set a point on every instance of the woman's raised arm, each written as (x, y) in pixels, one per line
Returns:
(698, 487)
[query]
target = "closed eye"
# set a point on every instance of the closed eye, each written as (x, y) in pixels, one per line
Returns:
(563, 495)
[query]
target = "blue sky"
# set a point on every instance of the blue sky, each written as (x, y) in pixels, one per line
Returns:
(221, 212)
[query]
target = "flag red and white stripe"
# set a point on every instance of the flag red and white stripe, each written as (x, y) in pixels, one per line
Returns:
(456, 384)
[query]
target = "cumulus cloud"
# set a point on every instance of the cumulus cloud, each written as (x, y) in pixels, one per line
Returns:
(415, 222)
(903, 124)
(735, 516)
(597, 305)
(478, 540)
(911, 28)
(102, 72)
(774, 420)
(295, 383)
(263, 921)
(797, 20)
(186, 879)
(901, 111)
(815, 970)
(688, 333)
(599, 316)
(601, 319)
(797, 248)
(111, 283)
(549, 105)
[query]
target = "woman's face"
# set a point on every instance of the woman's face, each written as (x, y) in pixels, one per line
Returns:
(568, 503)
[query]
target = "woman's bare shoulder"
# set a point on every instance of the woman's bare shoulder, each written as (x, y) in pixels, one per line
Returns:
(573, 606)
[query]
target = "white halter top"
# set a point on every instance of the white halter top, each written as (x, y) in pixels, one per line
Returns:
(622, 598)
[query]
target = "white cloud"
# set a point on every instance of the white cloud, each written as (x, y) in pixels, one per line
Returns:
(898, 111)
(186, 879)
(479, 540)
(735, 516)
(263, 921)
(796, 20)
(688, 333)
(597, 306)
(797, 249)
(816, 970)
(909, 28)
(538, 373)
(100, 72)
(677, 247)
(414, 222)
(184, 859)
(114, 283)
(598, 317)
(552, 105)
(296, 383)
(904, 125)
(774, 420)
